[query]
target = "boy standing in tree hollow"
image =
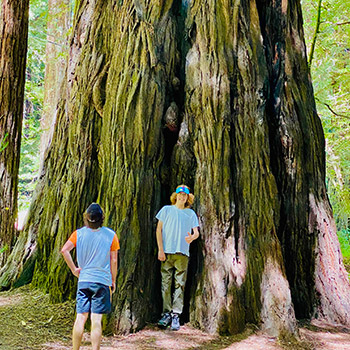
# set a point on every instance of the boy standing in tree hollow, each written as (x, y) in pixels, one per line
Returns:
(174, 237)
(97, 256)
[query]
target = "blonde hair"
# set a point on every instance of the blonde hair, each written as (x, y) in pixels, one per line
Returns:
(190, 198)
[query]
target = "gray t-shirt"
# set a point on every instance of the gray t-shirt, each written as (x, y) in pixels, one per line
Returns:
(93, 254)
(176, 225)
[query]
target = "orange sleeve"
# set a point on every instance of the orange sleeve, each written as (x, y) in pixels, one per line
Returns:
(115, 244)
(73, 238)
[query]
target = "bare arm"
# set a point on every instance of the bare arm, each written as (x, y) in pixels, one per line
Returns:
(65, 251)
(161, 254)
(114, 267)
(190, 238)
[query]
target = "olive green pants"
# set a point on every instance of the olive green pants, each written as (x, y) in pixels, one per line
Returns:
(175, 266)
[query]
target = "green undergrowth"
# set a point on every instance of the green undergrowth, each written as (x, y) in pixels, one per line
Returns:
(29, 321)
(289, 342)
(222, 342)
(344, 240)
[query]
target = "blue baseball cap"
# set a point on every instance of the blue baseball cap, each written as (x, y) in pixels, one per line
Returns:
(182, 189)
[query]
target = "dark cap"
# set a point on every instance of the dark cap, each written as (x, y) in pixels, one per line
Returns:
(94, 213)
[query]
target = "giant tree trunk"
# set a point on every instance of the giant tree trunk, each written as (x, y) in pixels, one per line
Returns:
(13, 51)
(214, 94)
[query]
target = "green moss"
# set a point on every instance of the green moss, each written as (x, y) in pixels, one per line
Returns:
(233, 321)
(29, 320)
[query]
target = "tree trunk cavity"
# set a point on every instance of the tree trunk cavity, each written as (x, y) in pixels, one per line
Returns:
(13, 52)
(215, 94)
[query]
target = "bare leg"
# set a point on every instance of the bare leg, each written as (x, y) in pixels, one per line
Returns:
(96, 331)
(78, 329)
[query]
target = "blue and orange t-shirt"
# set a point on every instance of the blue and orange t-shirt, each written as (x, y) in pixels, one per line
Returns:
(93, 253)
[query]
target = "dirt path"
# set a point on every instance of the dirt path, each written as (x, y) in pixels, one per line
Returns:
(325, 336)
(29, 322)
(186, 338)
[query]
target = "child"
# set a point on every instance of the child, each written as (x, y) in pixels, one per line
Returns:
(174, 237)
(97, 255)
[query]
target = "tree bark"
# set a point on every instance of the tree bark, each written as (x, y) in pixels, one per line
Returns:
(214, 94)
(69, 178)
(13, 49)
(141, 71)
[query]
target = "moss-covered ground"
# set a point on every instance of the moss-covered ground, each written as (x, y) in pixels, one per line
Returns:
(29, 321)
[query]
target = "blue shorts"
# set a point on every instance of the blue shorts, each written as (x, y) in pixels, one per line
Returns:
(94, 298)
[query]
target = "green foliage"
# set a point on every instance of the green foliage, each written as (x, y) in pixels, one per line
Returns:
(4, 142)
(330, 71)
(4, 249)
(33, 105)
(344, 240)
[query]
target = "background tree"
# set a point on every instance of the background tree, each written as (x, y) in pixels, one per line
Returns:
(13, 49)
(58, 23)
(330, 74)
(215, 94)
(33, 106)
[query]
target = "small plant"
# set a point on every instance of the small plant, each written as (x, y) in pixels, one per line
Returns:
(4, 143)
(4, 249)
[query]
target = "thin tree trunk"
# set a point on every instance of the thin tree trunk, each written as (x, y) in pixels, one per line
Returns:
(317, 30)
(13, 51)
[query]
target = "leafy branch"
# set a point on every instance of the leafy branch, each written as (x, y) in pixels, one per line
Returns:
(332, 110)
(342, 23)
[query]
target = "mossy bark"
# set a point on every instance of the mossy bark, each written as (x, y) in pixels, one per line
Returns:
(214, 94)
(13, 52)
(70, 175)
(226, 92)
(142, 65)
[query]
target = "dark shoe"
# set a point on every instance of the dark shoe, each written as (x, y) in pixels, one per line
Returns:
(175, 322)
(165, 320)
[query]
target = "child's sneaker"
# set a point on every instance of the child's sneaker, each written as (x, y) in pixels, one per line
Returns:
(175, 322)
(165, 320)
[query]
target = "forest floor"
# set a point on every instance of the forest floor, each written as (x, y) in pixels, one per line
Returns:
(28, 321)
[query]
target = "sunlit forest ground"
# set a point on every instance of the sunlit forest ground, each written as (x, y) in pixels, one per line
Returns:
(28, 321)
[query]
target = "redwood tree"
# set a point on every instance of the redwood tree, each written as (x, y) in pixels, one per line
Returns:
(215, 94)
(13, 51)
